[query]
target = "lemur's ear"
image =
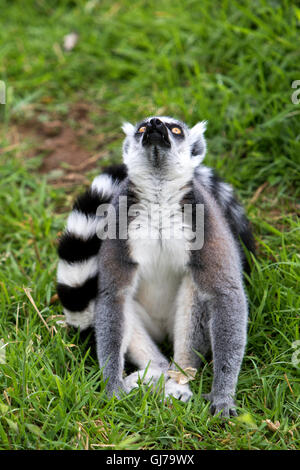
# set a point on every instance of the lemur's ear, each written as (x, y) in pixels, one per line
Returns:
(197, 141)
(128, 128)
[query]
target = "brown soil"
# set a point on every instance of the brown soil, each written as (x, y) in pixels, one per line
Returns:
(65, 157)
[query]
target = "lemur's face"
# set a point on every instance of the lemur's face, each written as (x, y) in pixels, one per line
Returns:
(163, 143)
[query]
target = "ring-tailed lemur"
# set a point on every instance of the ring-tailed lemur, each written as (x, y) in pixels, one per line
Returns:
(135, 290)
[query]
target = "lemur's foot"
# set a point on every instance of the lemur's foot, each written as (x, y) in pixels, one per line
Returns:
(224, 406)
(149, 376)
(180, 391)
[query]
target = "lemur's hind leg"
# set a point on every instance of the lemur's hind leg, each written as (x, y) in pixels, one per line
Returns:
(143, 352)
(190, 334)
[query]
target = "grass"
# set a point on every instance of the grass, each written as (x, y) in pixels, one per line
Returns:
(232, 65)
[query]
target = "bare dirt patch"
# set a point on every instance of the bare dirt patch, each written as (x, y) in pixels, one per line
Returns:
(70, 146)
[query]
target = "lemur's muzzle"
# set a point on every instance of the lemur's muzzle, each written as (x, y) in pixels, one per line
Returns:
(156, 133)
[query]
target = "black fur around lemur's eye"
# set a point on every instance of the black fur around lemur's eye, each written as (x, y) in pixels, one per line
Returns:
(176, 130)
(140, 130)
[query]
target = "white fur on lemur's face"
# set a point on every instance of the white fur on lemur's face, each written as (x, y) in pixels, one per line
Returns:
(163, 142)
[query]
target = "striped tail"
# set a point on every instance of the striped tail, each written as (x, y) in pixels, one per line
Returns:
(77, 272)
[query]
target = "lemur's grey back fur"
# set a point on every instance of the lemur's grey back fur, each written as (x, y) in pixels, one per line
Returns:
(208, 293)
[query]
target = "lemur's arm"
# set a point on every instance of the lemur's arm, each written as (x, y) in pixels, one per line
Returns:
(216, 270)
(113, 322)
(119, 329)
(77, 274)
(232, 210)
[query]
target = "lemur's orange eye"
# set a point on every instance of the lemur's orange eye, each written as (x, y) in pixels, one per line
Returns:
(142, 129)
(176, 130)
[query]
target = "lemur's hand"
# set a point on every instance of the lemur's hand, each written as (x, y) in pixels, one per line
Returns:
(223, 405)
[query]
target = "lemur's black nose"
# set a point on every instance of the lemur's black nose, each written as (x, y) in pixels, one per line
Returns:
(156, 123)
(156, 133)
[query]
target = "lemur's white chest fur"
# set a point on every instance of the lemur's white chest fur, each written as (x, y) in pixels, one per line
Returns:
(158, 241)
